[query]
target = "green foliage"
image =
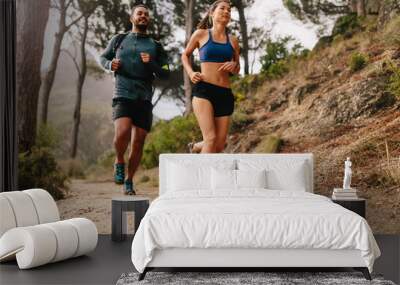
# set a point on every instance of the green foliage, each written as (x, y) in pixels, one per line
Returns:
(394, 80)
(243, 85)
(38, 167)
(275, 52)
(269, 144)
(346, 25)
(357, 61)
(170, 137)
(325, 41)
(47, 137)
(294, 8)
(277, 57)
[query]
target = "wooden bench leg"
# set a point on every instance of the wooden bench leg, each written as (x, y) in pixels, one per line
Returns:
(143, 274)
(364, 271)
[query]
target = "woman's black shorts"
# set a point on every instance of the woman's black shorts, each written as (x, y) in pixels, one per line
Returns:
(139, 111)
(221, 98)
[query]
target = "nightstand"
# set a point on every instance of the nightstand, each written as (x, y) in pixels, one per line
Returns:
(120, 205)
(358, 205)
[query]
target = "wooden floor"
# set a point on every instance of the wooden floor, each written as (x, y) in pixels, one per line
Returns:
(111, 259)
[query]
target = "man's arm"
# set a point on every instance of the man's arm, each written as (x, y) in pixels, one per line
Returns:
(108, 55)
(160, 65)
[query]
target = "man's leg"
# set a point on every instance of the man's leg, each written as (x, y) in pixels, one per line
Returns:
(122, 136)
(135, 154)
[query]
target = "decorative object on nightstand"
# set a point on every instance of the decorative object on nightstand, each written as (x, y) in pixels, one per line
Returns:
(347, 196)
(357, 205)
(120, 206)
(347, 174)
(345, 193)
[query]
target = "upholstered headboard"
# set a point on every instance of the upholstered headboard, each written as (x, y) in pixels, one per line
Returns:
(209, 159)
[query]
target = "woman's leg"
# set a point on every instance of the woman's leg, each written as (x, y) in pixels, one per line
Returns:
(222, 128)
(204, 113)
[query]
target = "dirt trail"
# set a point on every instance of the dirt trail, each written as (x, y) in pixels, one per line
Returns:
(92, 200)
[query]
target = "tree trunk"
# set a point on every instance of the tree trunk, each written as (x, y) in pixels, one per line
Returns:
(32, 18)
(186, 80)
(243, 31)
(388, 9)
(81, 81)
(353, 6)
(361, 8)
(48, 78)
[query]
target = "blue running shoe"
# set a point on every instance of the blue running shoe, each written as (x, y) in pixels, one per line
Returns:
(129, 188)
(119, 173)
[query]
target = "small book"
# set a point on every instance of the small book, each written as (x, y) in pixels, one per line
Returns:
(345, 194)
(335, 197)
(341, 190)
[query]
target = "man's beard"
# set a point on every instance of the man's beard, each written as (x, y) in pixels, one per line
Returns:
(141, 27)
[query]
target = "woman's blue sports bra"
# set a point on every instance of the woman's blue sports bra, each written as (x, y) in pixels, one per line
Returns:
(216, 52)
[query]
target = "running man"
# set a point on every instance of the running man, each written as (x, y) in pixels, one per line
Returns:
(135, 58)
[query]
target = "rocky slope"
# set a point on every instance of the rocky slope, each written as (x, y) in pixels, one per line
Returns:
(323, 107)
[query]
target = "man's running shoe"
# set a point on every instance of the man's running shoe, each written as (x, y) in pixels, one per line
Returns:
(119, 173)
(129, 188)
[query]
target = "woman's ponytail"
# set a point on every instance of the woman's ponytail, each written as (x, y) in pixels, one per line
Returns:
(206, 22)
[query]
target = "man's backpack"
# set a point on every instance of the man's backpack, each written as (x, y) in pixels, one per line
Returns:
(118, 41)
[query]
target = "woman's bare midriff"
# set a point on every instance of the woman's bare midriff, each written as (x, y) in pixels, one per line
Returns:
(210, 73)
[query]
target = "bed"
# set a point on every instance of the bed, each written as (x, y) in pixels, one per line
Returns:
(247, 210)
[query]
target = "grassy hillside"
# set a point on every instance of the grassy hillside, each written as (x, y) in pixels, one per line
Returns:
(335, 105)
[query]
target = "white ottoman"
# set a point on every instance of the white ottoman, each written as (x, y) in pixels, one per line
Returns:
(31, 232)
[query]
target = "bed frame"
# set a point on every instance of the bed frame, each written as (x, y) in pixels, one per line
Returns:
(241, 259)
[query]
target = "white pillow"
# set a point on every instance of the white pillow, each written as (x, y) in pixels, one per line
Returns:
(285, 174)
(227, 179)
(193, 175)
(223, 179)
(251, 178)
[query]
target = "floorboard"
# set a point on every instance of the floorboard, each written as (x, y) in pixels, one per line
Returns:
(111, 259)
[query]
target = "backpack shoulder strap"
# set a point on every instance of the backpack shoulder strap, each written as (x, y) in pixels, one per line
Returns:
(118, 41)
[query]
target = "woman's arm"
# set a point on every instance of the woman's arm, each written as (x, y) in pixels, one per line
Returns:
(187, 53)
(232, 66)
(236, 47)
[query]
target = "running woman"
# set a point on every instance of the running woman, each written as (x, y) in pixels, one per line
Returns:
(212, 98)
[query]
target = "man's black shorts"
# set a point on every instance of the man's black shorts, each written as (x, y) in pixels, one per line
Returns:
(220, 98)
(139, 111)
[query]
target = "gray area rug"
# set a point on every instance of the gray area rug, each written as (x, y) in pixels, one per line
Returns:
(232, 278)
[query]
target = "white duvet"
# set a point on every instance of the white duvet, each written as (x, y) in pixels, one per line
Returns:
(250, 219)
